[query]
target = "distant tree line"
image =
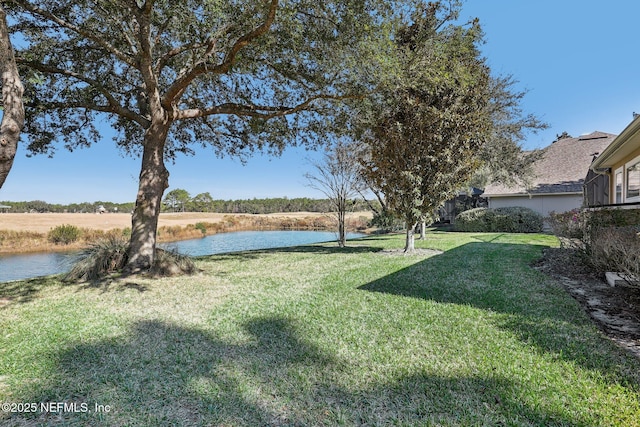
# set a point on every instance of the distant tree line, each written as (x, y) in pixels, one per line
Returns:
(199, 203)
(41, 206)
(180, 200)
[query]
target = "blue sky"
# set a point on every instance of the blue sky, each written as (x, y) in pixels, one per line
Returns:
(576, 58)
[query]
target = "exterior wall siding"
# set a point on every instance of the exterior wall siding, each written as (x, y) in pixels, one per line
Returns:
(543, 204)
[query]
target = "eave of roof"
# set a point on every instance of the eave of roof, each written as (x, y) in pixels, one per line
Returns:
(620, 148)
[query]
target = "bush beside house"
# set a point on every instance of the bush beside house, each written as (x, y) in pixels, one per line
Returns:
(609, 238)
(507, 220)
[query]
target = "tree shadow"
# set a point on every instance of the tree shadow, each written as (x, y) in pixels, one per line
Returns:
(163, 374)
(308, 249)
(530, 306)
(22, 291)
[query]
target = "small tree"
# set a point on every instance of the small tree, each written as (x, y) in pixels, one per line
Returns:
(177, 199)
(338, 177)
(432, 119)
(203, 202)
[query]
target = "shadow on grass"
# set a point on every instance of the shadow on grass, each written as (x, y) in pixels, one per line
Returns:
(497, 277)
(162, 374)
(310, 249)
(23, 291)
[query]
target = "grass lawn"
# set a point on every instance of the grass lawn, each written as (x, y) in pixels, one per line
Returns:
(316, 335)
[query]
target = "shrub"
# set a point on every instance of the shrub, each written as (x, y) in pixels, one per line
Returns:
(507, 220)
(202, 227)
(570, 224)
(477, 219)
(104, 257)
(108, 256)
(616, 249)
(612, 241)
(386, 222)
(64, 234)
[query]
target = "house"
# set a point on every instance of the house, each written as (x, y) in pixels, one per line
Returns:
(619, 163)
(558, 177)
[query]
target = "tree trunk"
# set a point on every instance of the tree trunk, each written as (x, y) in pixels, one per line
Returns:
(154, 179)
(423, 230)
(409, 245)
(12, 90)
(342, 236)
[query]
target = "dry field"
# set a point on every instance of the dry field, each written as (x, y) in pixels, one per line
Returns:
(27, 232)
(44, 222)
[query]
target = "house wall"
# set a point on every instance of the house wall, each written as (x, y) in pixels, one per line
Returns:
(614, 168)
(543, 204)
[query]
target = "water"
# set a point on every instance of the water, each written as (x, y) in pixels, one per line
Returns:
(250, 240)
(19, 267)
(26, 266)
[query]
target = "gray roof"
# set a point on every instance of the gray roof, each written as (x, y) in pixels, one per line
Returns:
(562, 168)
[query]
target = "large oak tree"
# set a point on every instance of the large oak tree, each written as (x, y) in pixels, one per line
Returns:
(233, 75)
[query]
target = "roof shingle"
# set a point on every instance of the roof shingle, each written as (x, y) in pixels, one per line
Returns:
(562, 167)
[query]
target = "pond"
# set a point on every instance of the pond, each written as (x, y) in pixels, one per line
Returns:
(19, 267)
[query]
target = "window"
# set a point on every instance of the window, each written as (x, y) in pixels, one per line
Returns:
(618, 181)
(633, 181)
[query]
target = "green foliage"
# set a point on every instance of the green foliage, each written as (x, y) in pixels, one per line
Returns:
(64, 234)
(507, 220)
(432, 117)
(386, 221)
(176, 200)
(206, 58)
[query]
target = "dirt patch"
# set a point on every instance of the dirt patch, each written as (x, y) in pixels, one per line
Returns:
(616, 310)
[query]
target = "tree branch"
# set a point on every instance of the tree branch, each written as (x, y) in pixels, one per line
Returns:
(87, 34)
(203, 67)
(260, 111)
(114, 106)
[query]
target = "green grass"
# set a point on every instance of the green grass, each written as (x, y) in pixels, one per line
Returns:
(316, 335)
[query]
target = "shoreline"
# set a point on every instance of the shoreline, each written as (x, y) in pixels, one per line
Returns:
(28, 233)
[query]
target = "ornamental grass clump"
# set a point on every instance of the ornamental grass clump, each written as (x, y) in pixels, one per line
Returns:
(104, 257)
(109, 256)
